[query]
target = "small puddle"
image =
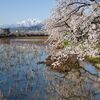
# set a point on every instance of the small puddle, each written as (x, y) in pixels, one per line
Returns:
(91, 69)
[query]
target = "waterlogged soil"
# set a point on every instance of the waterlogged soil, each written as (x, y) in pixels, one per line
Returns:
(21, 78)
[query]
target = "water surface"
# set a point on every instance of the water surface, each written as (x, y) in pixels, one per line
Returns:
(21, 78)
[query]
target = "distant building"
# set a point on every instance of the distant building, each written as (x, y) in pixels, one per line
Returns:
(4, 31)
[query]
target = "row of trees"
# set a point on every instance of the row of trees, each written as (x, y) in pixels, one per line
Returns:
(78, 23)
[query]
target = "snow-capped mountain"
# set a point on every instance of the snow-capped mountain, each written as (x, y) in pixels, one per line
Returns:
(24, 23)
(28, 22)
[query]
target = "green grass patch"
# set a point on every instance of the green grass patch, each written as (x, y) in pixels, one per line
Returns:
(66, 43)
(93, 59)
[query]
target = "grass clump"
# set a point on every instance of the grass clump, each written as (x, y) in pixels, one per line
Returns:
(66, 43)
(93, 59)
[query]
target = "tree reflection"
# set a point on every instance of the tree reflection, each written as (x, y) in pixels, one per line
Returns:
(72, 86)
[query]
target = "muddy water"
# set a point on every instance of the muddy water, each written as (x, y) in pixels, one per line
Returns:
(21, 78)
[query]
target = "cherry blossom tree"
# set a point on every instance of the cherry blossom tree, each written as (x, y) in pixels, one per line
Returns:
(78, 23)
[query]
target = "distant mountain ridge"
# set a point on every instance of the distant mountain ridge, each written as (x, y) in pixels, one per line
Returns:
(23, 28)
(25, 25)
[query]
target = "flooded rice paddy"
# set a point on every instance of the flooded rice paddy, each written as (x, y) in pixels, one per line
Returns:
(21, 78)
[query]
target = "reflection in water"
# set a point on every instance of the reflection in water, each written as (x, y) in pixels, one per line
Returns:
(22, 79)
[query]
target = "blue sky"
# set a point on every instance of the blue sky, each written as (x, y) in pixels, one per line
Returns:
(12, 11)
